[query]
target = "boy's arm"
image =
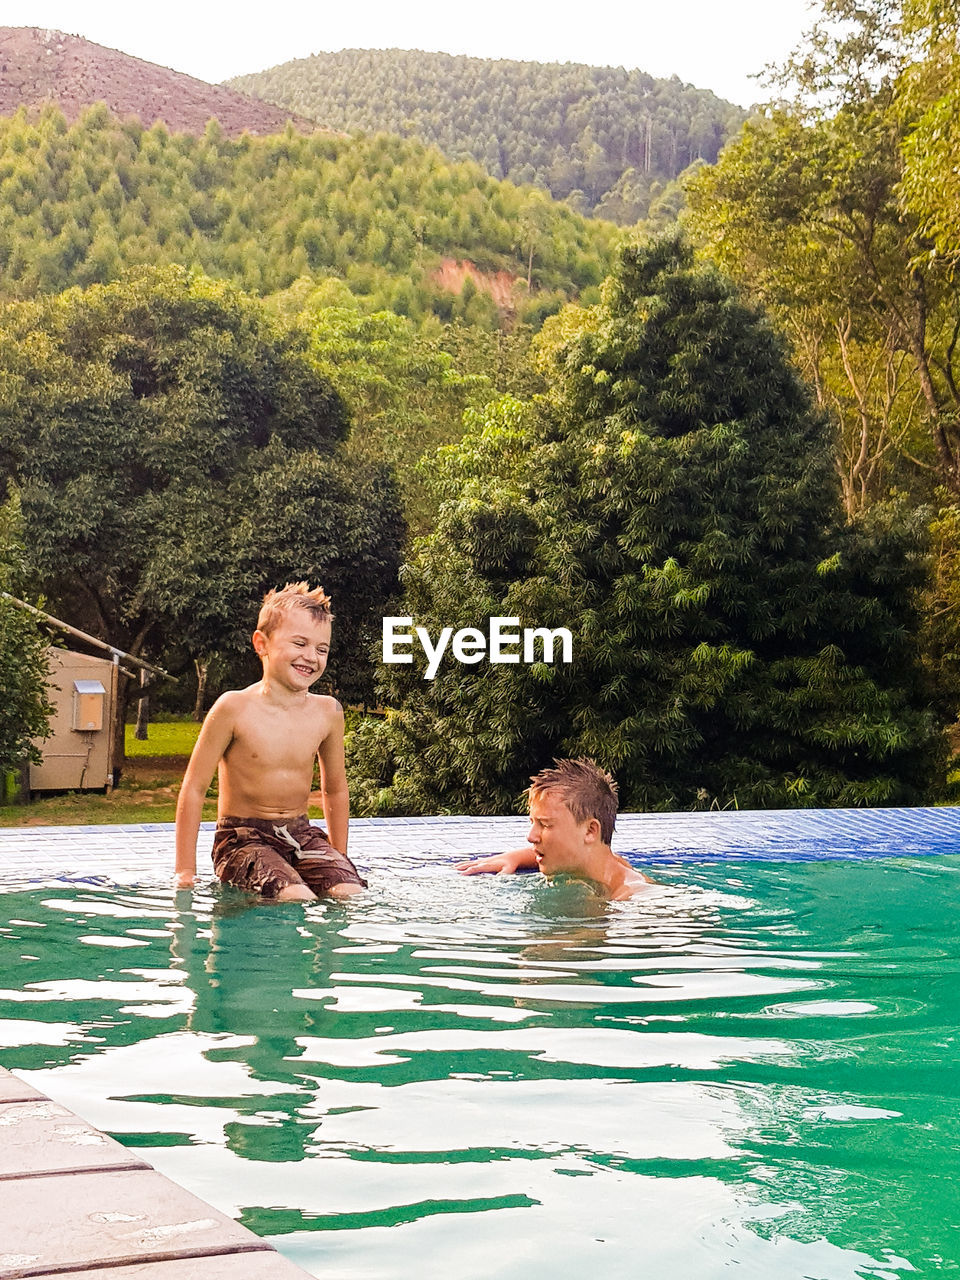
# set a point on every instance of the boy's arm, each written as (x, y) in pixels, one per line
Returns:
(503, 864)
(333, 782)
(215, 737)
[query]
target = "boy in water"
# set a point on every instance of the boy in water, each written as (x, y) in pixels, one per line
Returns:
(264, 740)
(573, 810)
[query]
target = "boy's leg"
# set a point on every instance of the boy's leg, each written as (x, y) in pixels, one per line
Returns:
(296, 893)
(345, 889)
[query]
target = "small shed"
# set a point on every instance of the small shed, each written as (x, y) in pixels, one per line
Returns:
(86, 741)
(78, 755)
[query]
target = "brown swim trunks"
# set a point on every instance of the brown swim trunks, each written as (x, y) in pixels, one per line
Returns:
(265, 857)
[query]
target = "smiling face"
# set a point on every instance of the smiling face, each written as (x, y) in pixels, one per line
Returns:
(295, 652)
(560, 842)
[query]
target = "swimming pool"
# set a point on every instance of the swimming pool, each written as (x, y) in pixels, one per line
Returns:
(752, 1070)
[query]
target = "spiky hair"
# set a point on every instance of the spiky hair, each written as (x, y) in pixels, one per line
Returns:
(295, 595)
(587, 791)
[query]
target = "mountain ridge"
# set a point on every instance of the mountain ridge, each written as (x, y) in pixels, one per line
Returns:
(607, 140)
(40, 65)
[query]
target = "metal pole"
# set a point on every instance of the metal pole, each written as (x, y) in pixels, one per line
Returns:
(83, 635)
(143, 709)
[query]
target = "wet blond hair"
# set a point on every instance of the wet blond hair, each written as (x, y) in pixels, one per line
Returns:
(587, 791)
(295, 595)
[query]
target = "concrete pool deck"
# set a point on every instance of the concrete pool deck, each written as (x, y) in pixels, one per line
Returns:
(127, 854)
(74, 1202)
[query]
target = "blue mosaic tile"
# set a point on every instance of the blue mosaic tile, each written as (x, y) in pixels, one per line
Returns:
(128, 852)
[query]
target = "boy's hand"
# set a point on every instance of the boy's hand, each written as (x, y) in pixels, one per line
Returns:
(501, 864)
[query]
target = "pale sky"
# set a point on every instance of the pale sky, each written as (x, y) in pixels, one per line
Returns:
(714, 44)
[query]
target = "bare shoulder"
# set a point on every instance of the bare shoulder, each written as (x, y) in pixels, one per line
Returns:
(234, 697)
(231, 711)
(325, 705)
(327, 710)
(324, 700)
(635, 884)
(634, 881)
(329, 730)
(228, 706)
(217, 733)
(632, 870)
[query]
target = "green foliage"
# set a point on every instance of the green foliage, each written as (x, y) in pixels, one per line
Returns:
(572, 129)
(500, 359)
(406, 385)
(837, 211)
(805, 208)
(178, 452)
(86, 201)
(672, 502)
(653, 202)
(929, 91)
(24, 706)
(941, 613)
(404, 395)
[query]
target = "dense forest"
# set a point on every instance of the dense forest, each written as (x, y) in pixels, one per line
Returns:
(83, 202)
(728, 458)
(672, 501)
(605, 139)
(171, 450)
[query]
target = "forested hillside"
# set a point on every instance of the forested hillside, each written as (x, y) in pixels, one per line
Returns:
(83, 202)
(607, 139)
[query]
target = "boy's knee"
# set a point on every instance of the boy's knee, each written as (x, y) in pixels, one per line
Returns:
(345, 890)
(295, 893)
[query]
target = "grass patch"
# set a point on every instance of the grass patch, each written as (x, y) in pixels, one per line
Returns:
(127, 804)
(173, 738)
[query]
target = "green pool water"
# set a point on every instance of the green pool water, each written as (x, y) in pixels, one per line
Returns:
(750, 1072)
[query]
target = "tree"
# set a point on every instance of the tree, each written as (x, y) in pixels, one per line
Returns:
(805, 216)
(404, 394)
(24, 705)
(532, 228)
(941, 614)
(672, 502)
(84, 202)
(177, 453)
(929, 90)
(806, 208)
(837, 211)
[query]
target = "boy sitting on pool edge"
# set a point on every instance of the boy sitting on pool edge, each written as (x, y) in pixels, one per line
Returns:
(264, 740)
(573, 811)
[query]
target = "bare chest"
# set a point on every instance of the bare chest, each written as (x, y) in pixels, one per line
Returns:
(277, 739)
